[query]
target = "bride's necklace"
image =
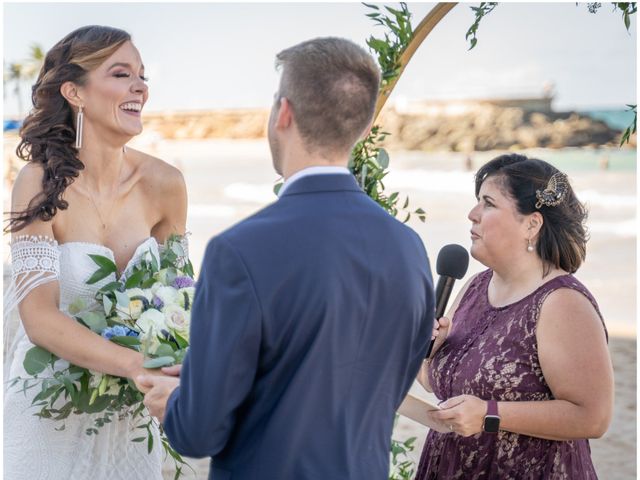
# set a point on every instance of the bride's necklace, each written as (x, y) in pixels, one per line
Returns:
(95, 205)
(104, 224)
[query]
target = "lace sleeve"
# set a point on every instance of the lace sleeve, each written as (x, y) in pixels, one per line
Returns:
(35, 260)
(183, 252)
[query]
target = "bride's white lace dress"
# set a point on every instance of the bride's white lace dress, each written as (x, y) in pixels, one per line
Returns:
(33, 448)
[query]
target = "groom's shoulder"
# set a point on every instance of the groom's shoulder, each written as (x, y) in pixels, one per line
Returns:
(264, 220)
(263, 225)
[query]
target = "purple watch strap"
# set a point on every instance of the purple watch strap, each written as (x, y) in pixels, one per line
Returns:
(492, 408)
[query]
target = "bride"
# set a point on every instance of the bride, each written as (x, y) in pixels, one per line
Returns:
(82, 192)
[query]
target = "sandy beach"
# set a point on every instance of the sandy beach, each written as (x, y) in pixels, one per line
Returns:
(229, 180)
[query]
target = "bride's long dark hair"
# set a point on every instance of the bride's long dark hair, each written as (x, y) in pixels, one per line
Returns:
(48, 132)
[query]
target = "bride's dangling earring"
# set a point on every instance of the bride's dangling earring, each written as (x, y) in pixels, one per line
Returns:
(79, 125)
(529, 246)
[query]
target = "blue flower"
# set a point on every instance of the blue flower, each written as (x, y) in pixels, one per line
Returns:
(107, 333)
(120, 331)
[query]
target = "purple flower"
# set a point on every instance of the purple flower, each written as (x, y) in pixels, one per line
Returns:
(157, 303)
(183, 282)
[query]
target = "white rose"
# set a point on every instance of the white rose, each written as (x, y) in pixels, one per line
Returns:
(155, 287)
(151, 319)
(135, 308)
(178, 320)
(162, 276)
(169, 296)
(190, 291)
(138, 292)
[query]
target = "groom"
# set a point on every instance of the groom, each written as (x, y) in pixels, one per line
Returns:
(312, 317)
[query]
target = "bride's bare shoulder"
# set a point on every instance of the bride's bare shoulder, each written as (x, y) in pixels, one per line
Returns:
(159, 177)
(157, 174)
(27, 186)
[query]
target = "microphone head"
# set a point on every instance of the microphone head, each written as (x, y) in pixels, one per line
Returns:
(453, 261)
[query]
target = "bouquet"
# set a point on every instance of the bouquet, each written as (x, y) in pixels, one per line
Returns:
(149, 312)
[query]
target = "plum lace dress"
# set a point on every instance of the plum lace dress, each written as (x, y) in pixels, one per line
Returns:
(33, 448)
(492, 353)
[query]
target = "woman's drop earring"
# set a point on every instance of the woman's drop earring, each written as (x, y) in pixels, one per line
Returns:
(529, 246)
(79, 125)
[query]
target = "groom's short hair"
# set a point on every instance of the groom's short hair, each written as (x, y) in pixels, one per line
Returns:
(332, 85)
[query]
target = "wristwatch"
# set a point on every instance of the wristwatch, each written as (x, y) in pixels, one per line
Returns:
(491, 419)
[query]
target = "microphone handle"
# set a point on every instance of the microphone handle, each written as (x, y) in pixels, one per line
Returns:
(443, 292)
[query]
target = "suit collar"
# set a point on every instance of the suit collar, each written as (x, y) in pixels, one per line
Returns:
(323, 183)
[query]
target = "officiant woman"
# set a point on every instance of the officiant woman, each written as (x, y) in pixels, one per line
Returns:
(523, 365)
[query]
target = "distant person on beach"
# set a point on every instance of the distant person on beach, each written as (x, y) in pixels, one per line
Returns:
(523, 364)
(312, 317)
(82, 193)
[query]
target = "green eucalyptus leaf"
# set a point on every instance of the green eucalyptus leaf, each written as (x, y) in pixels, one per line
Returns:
(96, 321)
(164, 350)
(107, 304)
(77, 306)
(122, 299)
(177, 248)
(155, 263)
(158, 362)
(383, 158)
(36, 360)
(126, 341)
(46, 393)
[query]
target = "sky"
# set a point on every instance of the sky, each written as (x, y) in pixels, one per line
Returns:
(221, 55)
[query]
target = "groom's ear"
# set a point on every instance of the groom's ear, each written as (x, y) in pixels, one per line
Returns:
(285, 114)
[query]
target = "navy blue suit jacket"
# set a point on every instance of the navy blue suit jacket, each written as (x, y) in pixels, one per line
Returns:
(309, 324)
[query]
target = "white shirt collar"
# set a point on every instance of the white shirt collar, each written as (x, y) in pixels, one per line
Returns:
(306, 172)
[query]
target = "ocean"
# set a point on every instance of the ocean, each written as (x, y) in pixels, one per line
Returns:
(615, 118)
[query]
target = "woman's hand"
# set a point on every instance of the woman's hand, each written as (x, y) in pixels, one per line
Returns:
(437, 425)
(440, 332)
(463, 414)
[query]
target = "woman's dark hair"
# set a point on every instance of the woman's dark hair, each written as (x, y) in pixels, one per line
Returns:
(48, 132)
(563, 237)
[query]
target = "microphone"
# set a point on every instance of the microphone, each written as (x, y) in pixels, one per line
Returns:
(452, 264)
